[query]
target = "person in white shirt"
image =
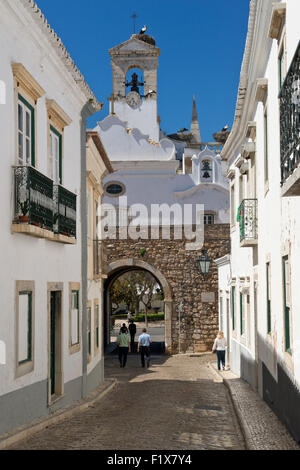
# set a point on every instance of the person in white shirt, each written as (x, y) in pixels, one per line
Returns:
(129, 317)
(220, 348)
(144, 346)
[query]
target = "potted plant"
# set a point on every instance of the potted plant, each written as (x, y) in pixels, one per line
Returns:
(24, 206)
(55, 220)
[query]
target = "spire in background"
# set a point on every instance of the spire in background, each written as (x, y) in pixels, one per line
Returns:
(195, 129)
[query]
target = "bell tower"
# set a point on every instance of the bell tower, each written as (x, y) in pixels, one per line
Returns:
(135, 94)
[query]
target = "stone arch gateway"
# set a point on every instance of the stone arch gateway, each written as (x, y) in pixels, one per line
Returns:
(177, 270)
(116, 268)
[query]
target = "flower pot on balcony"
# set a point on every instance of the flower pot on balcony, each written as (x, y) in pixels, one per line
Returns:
(23, 219)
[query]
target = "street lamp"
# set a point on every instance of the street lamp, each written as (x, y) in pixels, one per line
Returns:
(204, 263)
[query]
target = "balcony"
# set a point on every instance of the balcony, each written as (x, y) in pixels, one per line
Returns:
(290, 129)
(41, 210)
(65, 211)
(247, 217)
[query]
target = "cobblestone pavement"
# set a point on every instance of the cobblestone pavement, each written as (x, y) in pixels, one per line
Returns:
(176, 404)
(263, 429)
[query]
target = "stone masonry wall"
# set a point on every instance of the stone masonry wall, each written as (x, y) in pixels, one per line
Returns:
(199, 294)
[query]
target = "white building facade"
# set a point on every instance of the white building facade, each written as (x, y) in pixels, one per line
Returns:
(43, 276)
(262, 275)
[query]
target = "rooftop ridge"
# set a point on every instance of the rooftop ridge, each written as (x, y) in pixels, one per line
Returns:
(61, 51)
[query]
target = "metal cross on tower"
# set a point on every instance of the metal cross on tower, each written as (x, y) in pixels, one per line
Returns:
(134, 17)
(112, 101)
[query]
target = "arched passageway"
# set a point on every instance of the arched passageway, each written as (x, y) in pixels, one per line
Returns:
(114, 271)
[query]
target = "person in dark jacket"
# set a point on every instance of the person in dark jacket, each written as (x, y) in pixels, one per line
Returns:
(132, 331)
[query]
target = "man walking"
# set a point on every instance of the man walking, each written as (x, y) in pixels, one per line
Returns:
(144, 346)
(123, 342)
(132, 331)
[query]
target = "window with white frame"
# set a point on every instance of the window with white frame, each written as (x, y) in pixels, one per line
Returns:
(281, 67)
(55, 155)
(282, 52)
(287, 303)
(25, 132)
(242, 314)
(248, 321)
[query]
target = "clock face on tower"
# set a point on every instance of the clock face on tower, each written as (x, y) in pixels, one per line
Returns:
(133, 99)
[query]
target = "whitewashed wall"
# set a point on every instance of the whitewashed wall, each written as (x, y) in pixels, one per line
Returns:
(24, 257)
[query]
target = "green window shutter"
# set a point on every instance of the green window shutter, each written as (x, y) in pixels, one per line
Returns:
(30, 326)
(286, 286)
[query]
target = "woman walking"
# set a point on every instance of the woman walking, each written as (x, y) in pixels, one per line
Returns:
(123, 341)
(220, 348)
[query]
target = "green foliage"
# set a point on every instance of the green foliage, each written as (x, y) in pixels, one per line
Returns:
(133, 288)
(24, 207)
(142, 252)
(151, 317)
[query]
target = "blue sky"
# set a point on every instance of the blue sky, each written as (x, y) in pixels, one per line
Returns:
(201, 43)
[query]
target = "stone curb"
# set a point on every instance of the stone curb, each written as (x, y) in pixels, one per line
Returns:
(29, 430)
(242, 422)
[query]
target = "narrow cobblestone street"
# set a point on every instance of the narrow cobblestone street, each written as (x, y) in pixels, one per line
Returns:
(175, 404)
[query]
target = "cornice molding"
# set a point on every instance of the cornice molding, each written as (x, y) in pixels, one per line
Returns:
(248, 150)
(277, 19)
(225, 260)
(26, 81)
(57, 47)
(251, 130)
(255, 57)
(56, 113)
(261, 89)
(231, 174)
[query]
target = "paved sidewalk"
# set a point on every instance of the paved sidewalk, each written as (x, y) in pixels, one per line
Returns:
(28, 430)
(261, 427)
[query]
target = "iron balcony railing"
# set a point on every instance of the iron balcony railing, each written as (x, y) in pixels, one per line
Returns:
(247, 217)
(33, 197)
(290, 119)
(64, 211)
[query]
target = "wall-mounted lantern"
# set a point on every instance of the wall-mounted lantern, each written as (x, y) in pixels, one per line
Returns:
(204, 263)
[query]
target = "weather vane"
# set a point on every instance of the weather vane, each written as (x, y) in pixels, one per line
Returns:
(134, 17)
